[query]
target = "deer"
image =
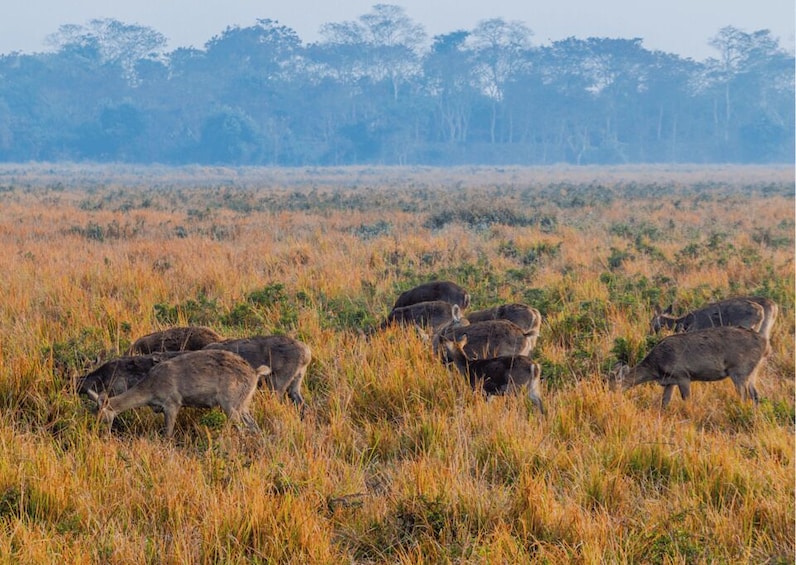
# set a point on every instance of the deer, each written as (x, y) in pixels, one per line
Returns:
(490, 338)
(432, 314)
(436, 290)
(496, 375)
(117, 375)
(197, 379)
(526, 317)
(751, 312)
(187, 338)
(707, 355)
(286, 357)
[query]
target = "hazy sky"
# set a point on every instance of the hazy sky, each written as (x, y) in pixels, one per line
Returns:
(675, 26)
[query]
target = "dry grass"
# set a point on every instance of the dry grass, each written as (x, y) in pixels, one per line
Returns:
(396, 459)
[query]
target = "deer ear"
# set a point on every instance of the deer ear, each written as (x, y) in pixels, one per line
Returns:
(668, 310)
(657, 310)
(456, 312)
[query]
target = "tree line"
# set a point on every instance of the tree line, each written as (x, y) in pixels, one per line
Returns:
(378, 90)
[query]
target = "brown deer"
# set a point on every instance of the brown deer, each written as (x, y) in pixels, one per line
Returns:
(198, 379)
(435, 290)
(526, 317)
(703, 355)
(496, 375)
(117, 375)
(432, 315)
(188, 338)
(491, 338)
(751, 312)
(287, 358)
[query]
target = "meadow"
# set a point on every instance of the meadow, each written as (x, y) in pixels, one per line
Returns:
(396, 459)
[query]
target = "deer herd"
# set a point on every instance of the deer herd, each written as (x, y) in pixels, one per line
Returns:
(492, 349)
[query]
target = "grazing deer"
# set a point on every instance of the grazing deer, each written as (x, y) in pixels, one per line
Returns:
(526, 317)
(117, 375)
(434, 315)
(491, 338)
(436, 290)
(703, 355)
(287, 358)
(189, 338)
(198, 379)
(496, 375)
(752, 312)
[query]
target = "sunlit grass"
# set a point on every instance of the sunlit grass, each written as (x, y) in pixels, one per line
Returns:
(395, 459)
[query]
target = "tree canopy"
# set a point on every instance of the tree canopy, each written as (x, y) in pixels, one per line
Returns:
(378, 90)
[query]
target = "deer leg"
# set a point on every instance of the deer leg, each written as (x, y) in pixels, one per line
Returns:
(294, 391)
(170, 414)
(685, 389)
(741, 388)
(753, 393)
(746, 390)
(667, 395)
(247, 419)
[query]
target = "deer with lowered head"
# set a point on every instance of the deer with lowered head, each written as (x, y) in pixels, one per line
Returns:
(197, 379)
(496, 375)
(752, 312)
(119, 374)
(432, 314)
(490, 338)
(526, 317)
(706, 355)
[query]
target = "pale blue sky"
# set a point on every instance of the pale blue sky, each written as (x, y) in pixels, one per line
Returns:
(675, 26)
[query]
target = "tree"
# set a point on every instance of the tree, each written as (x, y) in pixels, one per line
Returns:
(498, 49)
(267, 49)
(228, 136)
(750, 72)
(114, 41)
(382, 44)
(448, 74)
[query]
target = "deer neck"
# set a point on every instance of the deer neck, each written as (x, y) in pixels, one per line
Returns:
(636, 375)
(132, 398)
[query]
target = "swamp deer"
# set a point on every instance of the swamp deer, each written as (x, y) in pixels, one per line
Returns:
(703, 355)
(432, 315)
(529, 319)
(750, 312)
(188, 338)
(197, 379)
(287, 358)
(436, 290)
(490, 338)
(496, 375)
(117, 375)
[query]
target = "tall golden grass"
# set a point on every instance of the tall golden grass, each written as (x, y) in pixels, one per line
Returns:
(396, 460)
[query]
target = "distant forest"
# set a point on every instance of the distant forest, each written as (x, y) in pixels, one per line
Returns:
(378, 90)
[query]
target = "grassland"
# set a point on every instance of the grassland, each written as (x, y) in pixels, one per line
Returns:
(396, 460)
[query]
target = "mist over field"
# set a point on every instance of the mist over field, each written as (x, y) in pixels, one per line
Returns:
(377, 90)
